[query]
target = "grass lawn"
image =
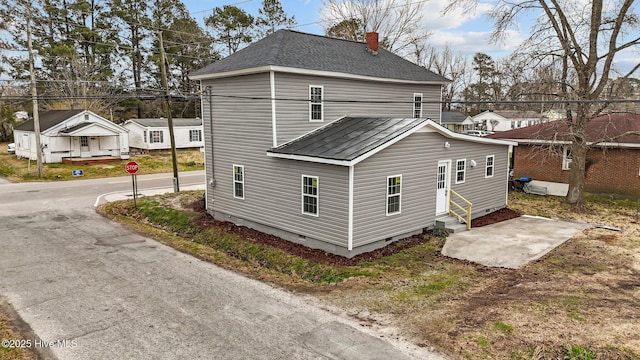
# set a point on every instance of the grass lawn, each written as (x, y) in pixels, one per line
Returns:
(150, 163)
(580, 301)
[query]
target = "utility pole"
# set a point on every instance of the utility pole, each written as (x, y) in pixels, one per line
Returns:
(167, 110)
(34, 96)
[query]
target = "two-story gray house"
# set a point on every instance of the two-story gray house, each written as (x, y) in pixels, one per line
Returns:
(336, 144)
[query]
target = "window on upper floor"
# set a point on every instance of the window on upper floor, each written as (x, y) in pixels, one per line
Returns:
(238, 181)
(316, 105)
(394, 194)
(417, 105)
(195, 135)
(310, 195)
(567, 158)
(461, 169)
(489, 167)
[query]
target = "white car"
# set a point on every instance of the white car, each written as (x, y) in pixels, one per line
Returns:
(480, 133)
(11, 148)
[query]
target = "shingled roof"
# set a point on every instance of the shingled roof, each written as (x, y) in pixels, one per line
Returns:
(48, 119)
(296, 50)
(609, 128)
(162, 122)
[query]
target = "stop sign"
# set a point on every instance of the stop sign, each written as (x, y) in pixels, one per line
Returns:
(132, 167)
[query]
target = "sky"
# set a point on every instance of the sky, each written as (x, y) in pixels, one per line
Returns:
(466, 32)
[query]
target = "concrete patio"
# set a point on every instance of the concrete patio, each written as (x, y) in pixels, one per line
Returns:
(512, 243)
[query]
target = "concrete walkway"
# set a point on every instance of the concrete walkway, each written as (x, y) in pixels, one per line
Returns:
(512, 243)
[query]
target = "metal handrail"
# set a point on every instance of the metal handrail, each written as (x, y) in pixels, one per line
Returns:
(467, 211)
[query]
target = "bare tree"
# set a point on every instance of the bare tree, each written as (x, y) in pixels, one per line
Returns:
(447, 63)
(586, 37)
(397, 21)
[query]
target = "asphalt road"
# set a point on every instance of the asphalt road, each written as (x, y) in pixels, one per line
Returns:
(90, 288)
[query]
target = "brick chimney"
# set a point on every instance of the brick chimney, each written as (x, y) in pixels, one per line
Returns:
(372, 42)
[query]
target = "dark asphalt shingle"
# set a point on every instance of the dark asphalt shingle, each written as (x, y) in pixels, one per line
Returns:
(48, 120)
(349, 137)
(294, 49)
(162, 122)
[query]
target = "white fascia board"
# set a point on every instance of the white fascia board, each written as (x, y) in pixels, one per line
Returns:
(310, 72)
(310, 159)
(564, 142)
(454, 135)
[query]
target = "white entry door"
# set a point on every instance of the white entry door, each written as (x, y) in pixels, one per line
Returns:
(85, 151)
(442, 187)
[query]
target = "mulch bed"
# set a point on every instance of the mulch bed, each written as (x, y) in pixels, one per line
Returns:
(323, 257)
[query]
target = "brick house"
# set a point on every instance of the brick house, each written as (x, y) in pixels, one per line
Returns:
(613, 163)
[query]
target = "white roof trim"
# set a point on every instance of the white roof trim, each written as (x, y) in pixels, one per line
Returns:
(429, 123)
(564, 142)
(89, 124)
(291, 70)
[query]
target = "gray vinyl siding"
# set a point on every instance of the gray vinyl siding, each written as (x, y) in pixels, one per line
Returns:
(272, 187)
(416, 159)
(410, 158)
(486, 194)
(292, 107)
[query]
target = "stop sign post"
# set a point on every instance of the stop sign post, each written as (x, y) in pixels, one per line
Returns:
(132, 168)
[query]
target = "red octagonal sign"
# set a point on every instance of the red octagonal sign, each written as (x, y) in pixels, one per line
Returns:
(132, 167)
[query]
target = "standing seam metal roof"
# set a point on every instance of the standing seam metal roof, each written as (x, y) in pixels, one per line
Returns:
(349, 137)
(292, 49)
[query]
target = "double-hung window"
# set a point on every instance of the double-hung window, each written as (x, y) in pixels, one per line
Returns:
(144, 136)
(156, 136)
(488, 171)
(238, 181)
(316, 106)
(394, 194)
(310, 195)
(417, 105)
(461, 168)
(195, 135)
(567, 158)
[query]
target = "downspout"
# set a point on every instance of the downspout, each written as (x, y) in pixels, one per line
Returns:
(274, 131)
(209, 91)
(350, 220)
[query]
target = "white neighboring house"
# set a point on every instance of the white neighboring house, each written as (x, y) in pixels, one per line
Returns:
(153, 134)
(72, 134)
(503, 120)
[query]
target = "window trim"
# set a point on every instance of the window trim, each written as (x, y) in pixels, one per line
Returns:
(567, 160)
(321, 103)
(198, 136)
(417, 105)
(160, 137)
(144, 136)
(235, 196)
(316, 196)
(463, 171)
(492, 166)
(399, 195)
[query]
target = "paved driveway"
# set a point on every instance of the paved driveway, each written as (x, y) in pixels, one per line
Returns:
(512, 243)
(92, 289)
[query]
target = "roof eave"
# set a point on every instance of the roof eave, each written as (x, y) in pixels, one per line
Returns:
(300, 71)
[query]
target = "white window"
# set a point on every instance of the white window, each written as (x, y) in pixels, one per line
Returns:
(195, 135)
(84, 141)
(417, 105)
(567, 158)
(394, 194)
(238, 181)
(144, 136)
(310, 195)
(156, 136)
(25, 142)
(316, 106)
(488, 172)
(461, 168)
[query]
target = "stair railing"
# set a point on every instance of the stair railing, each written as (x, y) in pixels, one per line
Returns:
(457, 210)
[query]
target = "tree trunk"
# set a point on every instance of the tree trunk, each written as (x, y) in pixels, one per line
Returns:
(579, 148)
